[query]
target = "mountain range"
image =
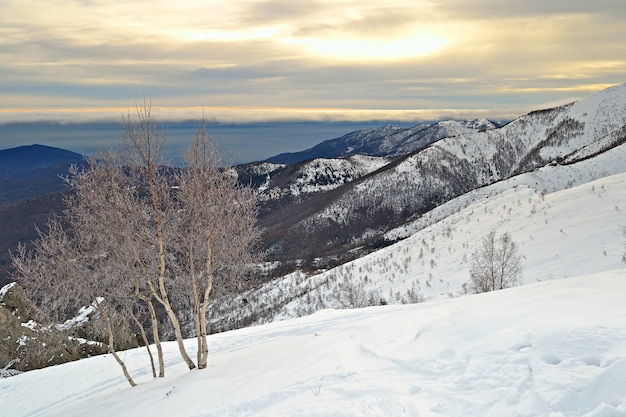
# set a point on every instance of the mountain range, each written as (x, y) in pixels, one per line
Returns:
(387, 140)
(348, 196)
(553, 179)
(321, 211)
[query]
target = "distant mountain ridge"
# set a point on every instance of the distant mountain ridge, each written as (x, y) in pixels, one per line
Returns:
(26, 158)
(30, 193)
(387, 140)
(33, 171)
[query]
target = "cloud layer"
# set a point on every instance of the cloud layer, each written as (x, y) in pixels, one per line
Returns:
(276, 60)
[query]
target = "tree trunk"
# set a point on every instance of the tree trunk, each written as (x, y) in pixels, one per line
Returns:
(119, 360)
(203, 358)
(179, 335)
(155, 331)
(145, 341)
(139, 295)
(194, 288)
(164, 297)
(204, 348)
(157, 339)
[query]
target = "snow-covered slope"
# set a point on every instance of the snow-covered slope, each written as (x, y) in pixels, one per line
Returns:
(456, 165)
(593, 162)
(567, 220)
(541, 136)
(387, 140)
(610, 141)
(439, 130)
(549, 349)
(318, 175)
(333, 210)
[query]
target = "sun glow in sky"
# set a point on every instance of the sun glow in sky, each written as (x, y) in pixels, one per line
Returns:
(373, 50)
(243, 60)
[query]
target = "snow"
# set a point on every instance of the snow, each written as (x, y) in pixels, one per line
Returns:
(80, 319)
(22, 340)
(554, 348)
(550, 348)
(545, 180)
(321, 175)
(561, 232)
(30, 324)
(5, 289)
(335, 172)
(595, 117)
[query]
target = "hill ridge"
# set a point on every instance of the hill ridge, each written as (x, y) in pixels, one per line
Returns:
(28, 157)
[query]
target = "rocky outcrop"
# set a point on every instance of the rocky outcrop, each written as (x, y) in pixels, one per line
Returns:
(27, 339)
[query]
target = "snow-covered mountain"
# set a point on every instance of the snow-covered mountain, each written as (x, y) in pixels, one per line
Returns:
(359, 212)
(387, 140)
(455, 165)
(431, 260)
(567, 219)
(297, 181)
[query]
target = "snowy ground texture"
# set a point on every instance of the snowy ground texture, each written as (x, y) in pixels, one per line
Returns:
(554, 348)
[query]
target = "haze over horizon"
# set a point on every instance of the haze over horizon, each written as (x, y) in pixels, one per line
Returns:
(250, 61)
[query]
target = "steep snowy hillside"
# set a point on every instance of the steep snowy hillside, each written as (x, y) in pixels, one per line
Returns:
(291, 182)
(548, 349)
(385, 141)
(541, 136)
(610, 141)
(456, 165)
(549, 179)
(439, 130)
(326, 211)
(567, 220)
(318, 175)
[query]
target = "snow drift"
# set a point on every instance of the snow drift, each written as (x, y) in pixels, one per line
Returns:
(554, 348)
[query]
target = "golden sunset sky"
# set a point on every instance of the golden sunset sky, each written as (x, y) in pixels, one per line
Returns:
(245, 60)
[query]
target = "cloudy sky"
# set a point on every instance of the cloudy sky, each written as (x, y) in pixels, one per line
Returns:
(324, 59)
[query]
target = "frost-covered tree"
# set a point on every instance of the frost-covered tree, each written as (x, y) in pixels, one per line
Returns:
(496, 264)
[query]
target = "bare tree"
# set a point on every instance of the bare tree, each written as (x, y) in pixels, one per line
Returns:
(496, 264)
(147, 235)
(63, 274)
(202, 221)
(104, 209)
(144, 140)
(217, 231)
